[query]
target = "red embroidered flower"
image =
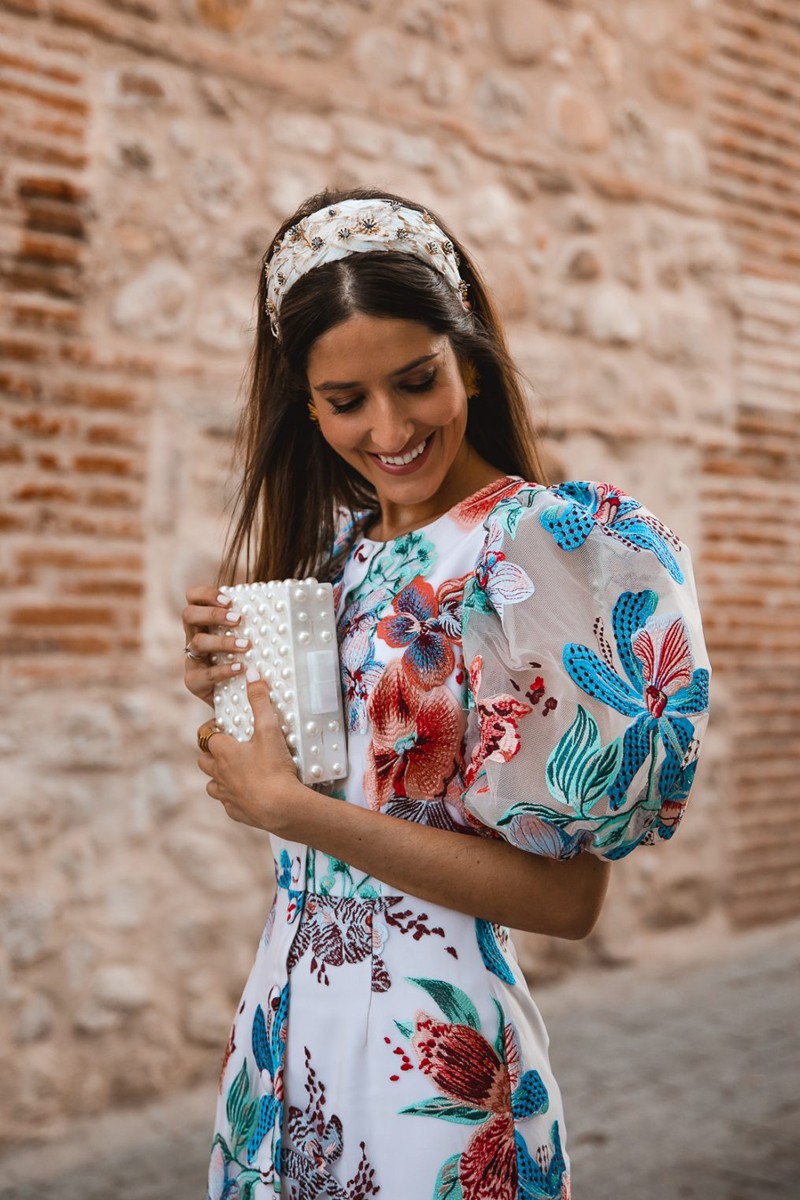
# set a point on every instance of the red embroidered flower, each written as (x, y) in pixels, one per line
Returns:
(499, 718)
(474, 509)
(464, 1067)
(461, 1064)
(416, 737)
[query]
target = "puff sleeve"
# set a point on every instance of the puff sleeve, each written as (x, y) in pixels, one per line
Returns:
(588, 673)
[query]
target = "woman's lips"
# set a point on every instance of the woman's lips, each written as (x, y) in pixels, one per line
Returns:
(406, 468)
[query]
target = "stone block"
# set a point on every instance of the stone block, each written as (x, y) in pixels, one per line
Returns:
(680, 328)
(312, 28)
(381, 58)
(216, 184)
(34, 1018)
(27, 928)
(685, 162)
(672, 84)
(122, 988)
(156, 303)
(226, 15)
(305, 131)
(521, 29)
(500, 103)
(577, 119)
(612, 315)
(224, 322)
(492, 216)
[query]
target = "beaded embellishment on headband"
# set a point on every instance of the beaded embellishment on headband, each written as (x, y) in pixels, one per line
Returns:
(357, 227)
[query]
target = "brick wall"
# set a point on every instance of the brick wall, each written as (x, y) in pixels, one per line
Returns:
(752, 547)
(622, 173)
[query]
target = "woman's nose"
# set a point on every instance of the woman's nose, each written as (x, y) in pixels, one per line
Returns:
(391, 429)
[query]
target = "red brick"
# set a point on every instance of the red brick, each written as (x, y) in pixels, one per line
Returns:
(52, 249)
(11, 521)
(21, 350)
(43, 492)
(112, 498)
(51, 187)
(58, 615)
(98, 464)
(19, 386)
(77, 560)
(95, 586)
(91, 395)
(38, 315)
(22, 644)
(41, 425)
(48, 462)
(113, 435)
(49, 98)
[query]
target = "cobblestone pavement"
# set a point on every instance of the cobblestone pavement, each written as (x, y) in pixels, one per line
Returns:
(679, 1081)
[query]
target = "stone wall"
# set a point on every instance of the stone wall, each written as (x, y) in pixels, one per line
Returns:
(623, 172)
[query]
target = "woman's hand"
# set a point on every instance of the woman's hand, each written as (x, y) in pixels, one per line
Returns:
(206, 609)
(254, 781)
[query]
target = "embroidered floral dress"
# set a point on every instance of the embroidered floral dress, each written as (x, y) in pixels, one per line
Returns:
(528, 666)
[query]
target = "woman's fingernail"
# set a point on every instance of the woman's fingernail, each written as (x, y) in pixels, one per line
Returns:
(236, 666)
(223, 599)
(232, 616)
(241, 642)
(252, 675)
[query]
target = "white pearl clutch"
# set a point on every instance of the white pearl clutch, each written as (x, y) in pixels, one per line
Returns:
(292, 630)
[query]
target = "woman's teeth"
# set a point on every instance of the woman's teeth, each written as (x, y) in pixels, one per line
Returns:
(405, 458)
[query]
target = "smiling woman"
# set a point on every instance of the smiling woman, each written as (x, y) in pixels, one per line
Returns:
(525, 687)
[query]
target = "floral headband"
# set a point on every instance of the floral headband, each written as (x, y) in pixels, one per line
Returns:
(357, 227)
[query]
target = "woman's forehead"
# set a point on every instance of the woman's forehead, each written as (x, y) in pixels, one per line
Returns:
(374, 345)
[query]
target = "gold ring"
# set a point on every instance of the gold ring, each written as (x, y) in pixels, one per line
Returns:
(204, 738)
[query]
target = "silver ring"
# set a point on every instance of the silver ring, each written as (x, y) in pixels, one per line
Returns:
(190, 654)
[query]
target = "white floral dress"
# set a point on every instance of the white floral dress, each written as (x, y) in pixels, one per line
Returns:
(528, 666)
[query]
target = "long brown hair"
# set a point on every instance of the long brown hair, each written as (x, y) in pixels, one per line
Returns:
(293, 484)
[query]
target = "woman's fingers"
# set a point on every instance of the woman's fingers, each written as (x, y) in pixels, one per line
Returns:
(205, 616)
(204, 644)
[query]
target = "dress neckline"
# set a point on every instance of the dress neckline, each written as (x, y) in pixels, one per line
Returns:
(488, 489)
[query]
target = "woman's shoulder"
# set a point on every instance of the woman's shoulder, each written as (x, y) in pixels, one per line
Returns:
(582, 515)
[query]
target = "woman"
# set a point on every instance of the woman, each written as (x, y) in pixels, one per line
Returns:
(525, 684)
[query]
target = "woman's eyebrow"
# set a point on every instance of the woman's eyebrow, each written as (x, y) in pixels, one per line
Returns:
(331, 386)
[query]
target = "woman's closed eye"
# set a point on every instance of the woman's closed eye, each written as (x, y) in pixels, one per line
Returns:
(415, 387)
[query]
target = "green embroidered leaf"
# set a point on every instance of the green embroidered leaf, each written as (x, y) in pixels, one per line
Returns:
(580, 770)
(455, 1004)
(537, 810)
(249, 1118)
(500, 1040)
(405, 1028)
(612, 829)
(237, 1095)
(446, 1110)
(447, 1186)
(247, 1181)
(510, 519)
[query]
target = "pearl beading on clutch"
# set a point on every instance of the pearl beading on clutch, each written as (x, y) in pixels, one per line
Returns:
(292, 630)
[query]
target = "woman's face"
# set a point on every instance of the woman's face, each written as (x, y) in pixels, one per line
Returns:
(386, 388)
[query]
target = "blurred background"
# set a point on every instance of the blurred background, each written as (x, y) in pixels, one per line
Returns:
(626, 174)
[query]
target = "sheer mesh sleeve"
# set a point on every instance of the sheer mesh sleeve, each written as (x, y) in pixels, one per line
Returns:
(588, 673)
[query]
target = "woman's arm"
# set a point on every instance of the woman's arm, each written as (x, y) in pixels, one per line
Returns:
(257, 784)
(485, 877)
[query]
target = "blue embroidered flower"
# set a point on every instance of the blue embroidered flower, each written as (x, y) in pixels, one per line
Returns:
(661, 691)
(617, 514)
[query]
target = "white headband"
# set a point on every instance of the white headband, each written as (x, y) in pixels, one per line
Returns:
(357, 227)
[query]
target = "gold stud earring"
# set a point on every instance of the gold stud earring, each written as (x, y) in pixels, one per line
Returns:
(312, 412)
(470, 377)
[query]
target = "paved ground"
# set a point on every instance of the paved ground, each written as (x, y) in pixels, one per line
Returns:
(680, 1081)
